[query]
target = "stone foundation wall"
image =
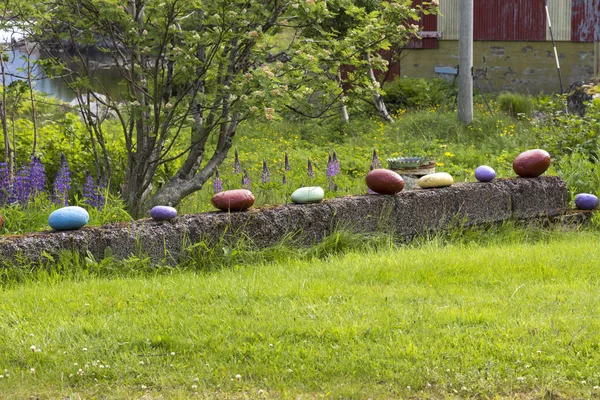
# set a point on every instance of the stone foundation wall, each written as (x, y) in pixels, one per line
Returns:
(406, 214)
(526, 67)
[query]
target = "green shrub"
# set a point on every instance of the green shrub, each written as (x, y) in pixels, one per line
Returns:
(515, 104)
(564, 134)
(414, 93)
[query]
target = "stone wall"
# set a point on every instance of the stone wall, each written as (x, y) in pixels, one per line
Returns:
(406, 214)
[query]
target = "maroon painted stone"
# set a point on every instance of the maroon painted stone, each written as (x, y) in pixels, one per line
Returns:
(233, 200)
(384, 181)
(1, 221)
(531, 163)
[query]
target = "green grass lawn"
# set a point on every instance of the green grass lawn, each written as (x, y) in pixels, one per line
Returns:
(425, 321)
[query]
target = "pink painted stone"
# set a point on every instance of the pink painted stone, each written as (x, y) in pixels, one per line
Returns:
(233, 200)
(531, 163)
(384, 181)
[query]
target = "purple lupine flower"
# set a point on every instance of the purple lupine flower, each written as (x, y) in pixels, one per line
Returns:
(101, 185)
(4, 183)
(21, 189)
(309, 170)
(333, 166)
(266, 175)
(217, 182)
(284, 179)
(62, 183)
(237, 166)
(336, 164)
(375, 161)
(89, 187)
(92, 192)
(37, 176)
(286, 166)
(246, 184)
(330, 170)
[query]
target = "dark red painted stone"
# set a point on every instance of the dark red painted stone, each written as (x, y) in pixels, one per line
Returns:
(1, 221)
(384, 181)
(233, 200)
(531, 163)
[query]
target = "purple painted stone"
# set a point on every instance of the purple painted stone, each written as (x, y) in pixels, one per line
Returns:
(163, 213)
(484, 173)
(586, 201)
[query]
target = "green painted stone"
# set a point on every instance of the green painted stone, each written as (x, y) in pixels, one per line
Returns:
(309, 194)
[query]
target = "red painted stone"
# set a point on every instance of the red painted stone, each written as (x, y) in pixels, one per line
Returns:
(531, 163)
(233, 200)
(384, 181)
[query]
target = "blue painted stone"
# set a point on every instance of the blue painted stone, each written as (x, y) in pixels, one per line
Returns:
(586, 201)
(484, 173)
(67, 218)
(163, 213)
(309, 194)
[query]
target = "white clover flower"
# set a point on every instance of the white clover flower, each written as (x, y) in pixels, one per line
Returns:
(32, 348)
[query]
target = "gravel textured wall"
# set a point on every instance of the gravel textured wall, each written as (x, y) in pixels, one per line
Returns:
(406, 214)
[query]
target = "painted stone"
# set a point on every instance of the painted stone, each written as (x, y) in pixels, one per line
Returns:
(233, 200)
(531, 163)
(586, 201)
(1, 221)
(384, 181)
(484, 173)
(163, 213)
(437, 180)
(309, 194)
(68, 218)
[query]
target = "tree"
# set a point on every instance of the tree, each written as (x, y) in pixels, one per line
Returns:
(194, 71)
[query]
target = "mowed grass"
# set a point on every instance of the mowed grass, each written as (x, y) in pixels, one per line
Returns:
(427, 321)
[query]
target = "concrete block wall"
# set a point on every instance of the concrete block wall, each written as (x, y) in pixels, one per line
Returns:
(406, 214)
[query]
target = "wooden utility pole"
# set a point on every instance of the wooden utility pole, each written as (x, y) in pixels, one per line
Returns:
(465, 67)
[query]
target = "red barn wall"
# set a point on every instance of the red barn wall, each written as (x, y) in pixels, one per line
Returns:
(519, 20)
(585, 21)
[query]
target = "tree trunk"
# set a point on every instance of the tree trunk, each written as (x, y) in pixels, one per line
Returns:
(377, 98)
(180, 186)
(345, 115)
(8, 155)
(31, 99)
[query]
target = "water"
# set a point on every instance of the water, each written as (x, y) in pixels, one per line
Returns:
(105, 76)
